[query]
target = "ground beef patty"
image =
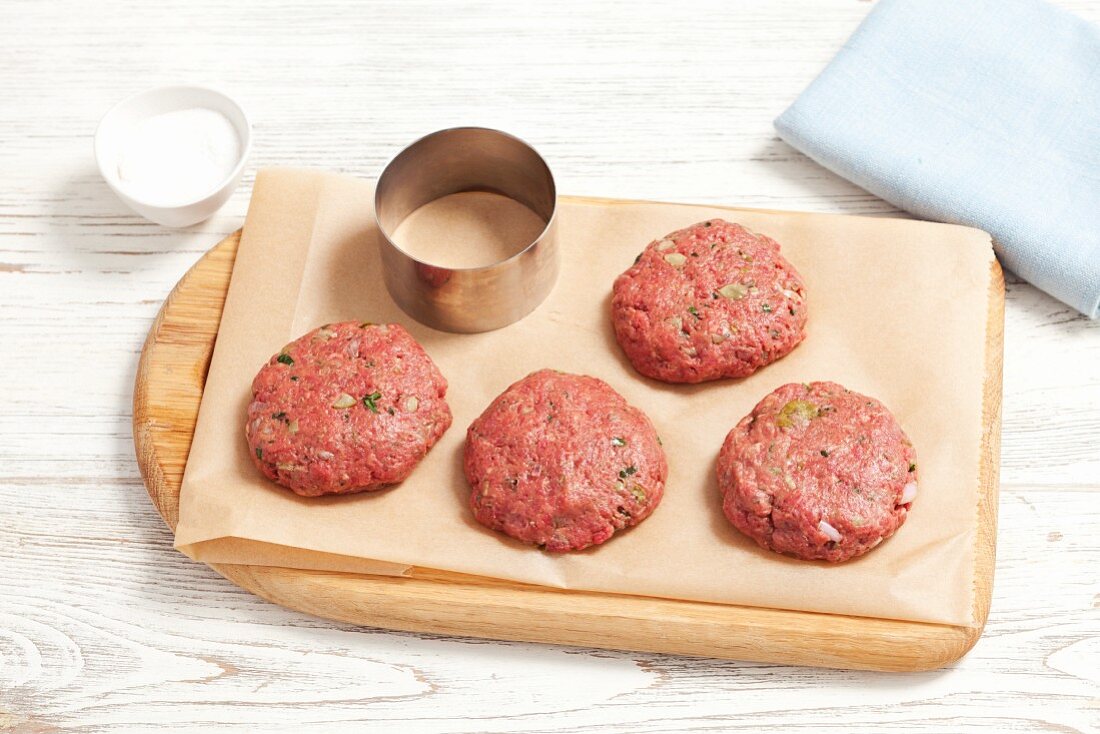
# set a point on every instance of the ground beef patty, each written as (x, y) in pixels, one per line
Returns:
(818, 472)
(563, 461)
(346, 408)
(710, 301)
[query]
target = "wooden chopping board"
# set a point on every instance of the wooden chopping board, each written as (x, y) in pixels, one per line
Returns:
(168, 390)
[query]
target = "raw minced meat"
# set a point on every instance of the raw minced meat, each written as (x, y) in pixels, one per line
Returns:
(709, 301)
(817, 471)
(563, 461)
(346, 408)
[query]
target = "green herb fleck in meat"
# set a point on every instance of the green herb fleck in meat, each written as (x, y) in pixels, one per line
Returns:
(912, 468)
(638, 492)
(285, 358)
(796, 411)
(637, 259)
(766, 308)
(371, 401)
(694, 312)
(628, 471)
(294, 378)
(824, 453)
(616, 441)
(259, 453)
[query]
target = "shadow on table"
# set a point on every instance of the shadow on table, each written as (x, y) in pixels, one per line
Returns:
(95, 231)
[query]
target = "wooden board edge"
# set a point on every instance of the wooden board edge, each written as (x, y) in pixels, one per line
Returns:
(989, 472)
(146, 428)
(642, 624)
(145, 447)
(747, 633)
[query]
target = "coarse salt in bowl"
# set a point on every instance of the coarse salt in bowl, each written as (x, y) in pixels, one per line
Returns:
(174, 154)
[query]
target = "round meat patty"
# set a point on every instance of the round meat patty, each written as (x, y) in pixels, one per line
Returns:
(710, 301)
(562, 461)
(818, 472)
(346, 408)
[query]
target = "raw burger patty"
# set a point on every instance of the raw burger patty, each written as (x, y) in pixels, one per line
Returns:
(346, 408)
(818, 472)
(710, 301)
(562, 461)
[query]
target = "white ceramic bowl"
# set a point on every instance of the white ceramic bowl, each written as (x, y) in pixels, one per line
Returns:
(120, 119)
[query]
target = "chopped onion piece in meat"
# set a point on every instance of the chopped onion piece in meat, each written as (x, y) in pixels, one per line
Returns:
(909, 493)
(832, 533)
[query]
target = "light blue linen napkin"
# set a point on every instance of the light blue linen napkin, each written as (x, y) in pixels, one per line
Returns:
(978, 112)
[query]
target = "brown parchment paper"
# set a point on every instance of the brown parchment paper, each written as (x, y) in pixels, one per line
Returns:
(897, 310)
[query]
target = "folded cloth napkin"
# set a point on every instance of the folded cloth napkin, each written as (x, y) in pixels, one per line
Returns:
(978, 112)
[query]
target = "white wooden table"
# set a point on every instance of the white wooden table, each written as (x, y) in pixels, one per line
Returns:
(104, 626)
